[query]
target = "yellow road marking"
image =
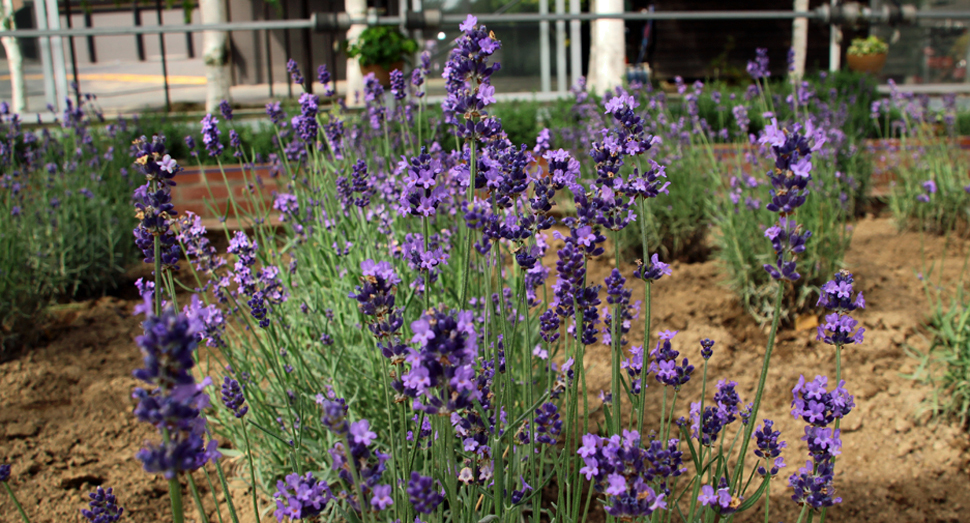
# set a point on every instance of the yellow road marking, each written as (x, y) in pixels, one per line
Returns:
(125, 78)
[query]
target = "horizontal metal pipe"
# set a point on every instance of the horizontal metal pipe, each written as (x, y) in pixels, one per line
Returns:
(133, 30)
(655, 15)
(454, 19)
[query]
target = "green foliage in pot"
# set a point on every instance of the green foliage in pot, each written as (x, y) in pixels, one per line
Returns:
(381, 45)
(867, 46)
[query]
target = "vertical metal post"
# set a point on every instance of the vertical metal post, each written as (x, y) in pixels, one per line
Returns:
(70, 44)
(269, 52)
(88, 22)
(561, 48)
(57, 53)
(835, 45)
(189, 42)
(139, 39)
(308, 71)
(161, 46)
(575, 42)
(286, 45)
(50, 92)
(545, 68)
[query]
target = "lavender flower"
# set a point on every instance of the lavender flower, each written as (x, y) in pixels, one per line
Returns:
(176, 401)
(210, 135)
(232, 397)
(813, 485)
(294, 69)
(467, 77)
(758, 68)
(665, 365)
(769, 449)
(4, 472)
(818, 407)
(423, 495)
(301, 497)
(620, 468)
(836, 296)
(721, 501)
(103, 507)
(226, 109)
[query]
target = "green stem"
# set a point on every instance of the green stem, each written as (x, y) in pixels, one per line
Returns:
(252, 471)
(761, 385)
(175, 495)
(225, 489)
(197, 498)
(20, 509)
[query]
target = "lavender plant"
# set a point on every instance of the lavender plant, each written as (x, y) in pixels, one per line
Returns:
(64, 199)
(404, 351)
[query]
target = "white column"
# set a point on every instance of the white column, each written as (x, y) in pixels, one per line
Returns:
(545, 66)
(561, 48)
(607, 48)
(575, 42)
(57, 54)
(355, 80)
(799, 38)
(835, 45)
(15, 60)
(215, 54)
(50, 92)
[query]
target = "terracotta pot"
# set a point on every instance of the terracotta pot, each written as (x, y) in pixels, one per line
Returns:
(870, 63)
(383, 75)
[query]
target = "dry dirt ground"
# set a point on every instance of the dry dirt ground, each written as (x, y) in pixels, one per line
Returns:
(66, 423)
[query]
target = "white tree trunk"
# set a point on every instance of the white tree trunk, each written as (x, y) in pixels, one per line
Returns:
(607, 53)
(799, 39)
(14, 58)
(215, 53)
(354, 95)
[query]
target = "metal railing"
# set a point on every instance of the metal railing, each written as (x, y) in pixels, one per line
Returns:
(849, 13)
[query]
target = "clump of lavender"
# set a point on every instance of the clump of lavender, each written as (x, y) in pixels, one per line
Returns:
(103, 507)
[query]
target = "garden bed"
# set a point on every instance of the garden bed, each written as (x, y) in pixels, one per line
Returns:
(66, 423)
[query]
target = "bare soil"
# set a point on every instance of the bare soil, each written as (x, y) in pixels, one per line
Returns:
(66, 423)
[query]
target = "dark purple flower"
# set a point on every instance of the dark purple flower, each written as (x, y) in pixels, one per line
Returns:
(758, 68)
(4, 472)
(103, 507)
(232, 397)
(707, 348)
(423, 495)
(294, 69)
(769, 449)
(813, 485)
(226, 110)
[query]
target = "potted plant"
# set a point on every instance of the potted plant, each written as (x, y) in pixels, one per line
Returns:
(380, 50)
(867, 55)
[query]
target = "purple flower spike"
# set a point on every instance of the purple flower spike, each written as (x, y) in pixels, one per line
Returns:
(103, 507)
(4, 472)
